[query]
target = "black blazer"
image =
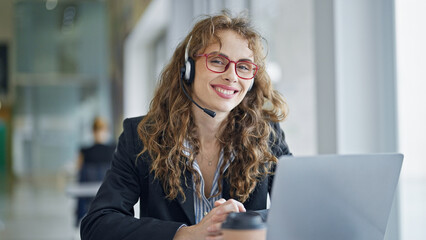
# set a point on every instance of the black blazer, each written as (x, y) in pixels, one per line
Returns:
(111, 213)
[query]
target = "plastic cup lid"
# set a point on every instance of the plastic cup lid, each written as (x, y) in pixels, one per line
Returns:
(243, 220)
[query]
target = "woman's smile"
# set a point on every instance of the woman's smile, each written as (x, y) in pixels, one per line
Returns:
(225, 91)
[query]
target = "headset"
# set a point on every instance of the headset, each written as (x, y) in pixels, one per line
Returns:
(187, 74)
(189, 68)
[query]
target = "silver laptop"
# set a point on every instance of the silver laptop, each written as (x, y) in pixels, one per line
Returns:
(333, 197)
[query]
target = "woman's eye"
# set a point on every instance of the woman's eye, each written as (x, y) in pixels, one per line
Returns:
(217, 60)
(243, 67)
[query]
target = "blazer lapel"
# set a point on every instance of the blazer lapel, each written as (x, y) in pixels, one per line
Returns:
(188, 204)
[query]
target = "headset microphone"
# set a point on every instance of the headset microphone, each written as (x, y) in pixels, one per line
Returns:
(208, 111)
(187, 73)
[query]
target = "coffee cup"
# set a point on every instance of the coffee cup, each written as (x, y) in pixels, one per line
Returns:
(244, 225)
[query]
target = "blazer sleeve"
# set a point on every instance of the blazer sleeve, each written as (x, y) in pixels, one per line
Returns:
(111, 213)
(278, 147)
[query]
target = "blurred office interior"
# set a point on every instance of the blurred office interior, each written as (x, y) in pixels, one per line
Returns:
(352, 72)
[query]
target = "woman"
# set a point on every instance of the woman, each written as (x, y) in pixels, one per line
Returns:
(93, 162)
(190, 169)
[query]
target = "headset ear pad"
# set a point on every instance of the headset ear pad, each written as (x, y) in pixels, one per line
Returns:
(251, 85)
(189, 71)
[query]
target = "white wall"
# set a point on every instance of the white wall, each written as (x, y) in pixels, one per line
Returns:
(411, 45)
(411, 52)
(139, 77)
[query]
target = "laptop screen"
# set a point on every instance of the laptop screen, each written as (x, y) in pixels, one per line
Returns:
(333, 196)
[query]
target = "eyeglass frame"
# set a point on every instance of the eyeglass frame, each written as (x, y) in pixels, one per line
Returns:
(229, 63)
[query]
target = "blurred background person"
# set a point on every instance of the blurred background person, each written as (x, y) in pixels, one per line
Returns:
(93, 162)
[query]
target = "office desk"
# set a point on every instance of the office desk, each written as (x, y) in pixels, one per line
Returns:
(78, 190)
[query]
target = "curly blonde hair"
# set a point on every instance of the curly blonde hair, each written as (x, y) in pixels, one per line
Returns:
(246, 132)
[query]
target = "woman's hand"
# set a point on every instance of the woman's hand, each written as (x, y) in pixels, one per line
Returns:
(210, 226)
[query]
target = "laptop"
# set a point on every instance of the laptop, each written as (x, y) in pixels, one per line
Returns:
(333, 197)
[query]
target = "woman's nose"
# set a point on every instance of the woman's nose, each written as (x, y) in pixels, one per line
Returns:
(230, 73)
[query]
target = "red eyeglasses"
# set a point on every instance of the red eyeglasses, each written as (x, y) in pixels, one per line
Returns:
(218, 63)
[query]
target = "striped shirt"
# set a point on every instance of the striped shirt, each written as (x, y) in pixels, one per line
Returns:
(204, 205)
